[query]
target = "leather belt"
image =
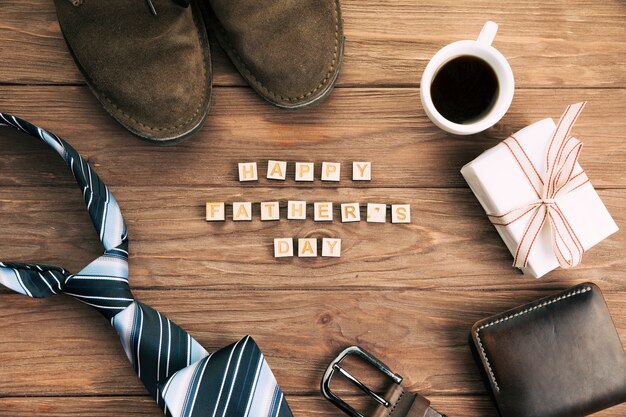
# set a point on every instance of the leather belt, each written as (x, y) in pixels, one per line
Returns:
(396, 402)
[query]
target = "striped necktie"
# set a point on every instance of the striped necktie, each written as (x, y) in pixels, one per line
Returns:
(184, 379)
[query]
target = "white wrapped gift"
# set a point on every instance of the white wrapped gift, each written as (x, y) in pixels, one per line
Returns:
(539, 198)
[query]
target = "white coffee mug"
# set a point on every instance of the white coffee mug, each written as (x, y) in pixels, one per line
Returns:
(482, 49)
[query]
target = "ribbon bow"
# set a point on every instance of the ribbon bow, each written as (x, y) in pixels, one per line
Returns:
(558, 180)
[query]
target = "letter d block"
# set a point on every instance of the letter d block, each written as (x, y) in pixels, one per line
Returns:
(283, 247)
(215, 212)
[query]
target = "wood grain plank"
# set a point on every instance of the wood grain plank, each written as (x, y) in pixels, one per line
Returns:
(450, 243)
(407, 293)
(389, 42)
(386, 126)
(62, 347)
(145, 407)
(467, 406)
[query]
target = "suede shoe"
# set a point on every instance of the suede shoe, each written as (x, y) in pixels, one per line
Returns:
(289, 51)
(147, 62)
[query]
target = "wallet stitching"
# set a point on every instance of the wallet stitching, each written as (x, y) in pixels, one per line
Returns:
(518, 314)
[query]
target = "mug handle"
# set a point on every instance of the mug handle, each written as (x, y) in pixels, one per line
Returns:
(488, 33)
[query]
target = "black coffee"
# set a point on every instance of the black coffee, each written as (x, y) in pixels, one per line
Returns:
(464, 89)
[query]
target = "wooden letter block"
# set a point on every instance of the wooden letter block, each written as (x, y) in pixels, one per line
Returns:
(350, 212)
(242, 212)
(400, 213)
(323, 212)
(270, 210)
(283, 247)
(376, 213)
(215, 212)
(296, 210)
(307, 248)
(248, 171)
(361, 171)
(304, 171)
(331, 247)
(276, 170)
(331, 171)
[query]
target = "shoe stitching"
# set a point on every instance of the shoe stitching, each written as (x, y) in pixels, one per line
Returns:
(322, 83)
(193, 117)
(518, 314)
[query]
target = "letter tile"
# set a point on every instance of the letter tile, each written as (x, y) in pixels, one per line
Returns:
(283, 247)
(248, 171)
(400, 213)
(350, 212)
(276, 170)
(361, 171)
(307, 248)
(331, 247)
(296, 210)
(270, 210)
(331, 171)
(376, 213)
(323, 212)
(215, 212)
(242, 211)
(304, 171)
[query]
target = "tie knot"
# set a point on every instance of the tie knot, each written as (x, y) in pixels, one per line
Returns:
(548, 201)
(103, 284)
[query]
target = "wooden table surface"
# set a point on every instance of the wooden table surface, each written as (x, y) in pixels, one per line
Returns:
(407, 293)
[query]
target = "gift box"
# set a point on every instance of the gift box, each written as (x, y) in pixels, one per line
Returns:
(539, 198)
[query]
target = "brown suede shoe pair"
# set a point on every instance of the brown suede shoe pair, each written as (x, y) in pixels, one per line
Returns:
(148, 61)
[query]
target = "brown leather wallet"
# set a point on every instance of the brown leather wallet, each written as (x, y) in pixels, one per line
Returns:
(559, 356)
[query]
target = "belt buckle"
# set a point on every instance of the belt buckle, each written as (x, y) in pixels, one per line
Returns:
(336, 367)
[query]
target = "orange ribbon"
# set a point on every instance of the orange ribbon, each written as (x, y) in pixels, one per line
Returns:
(557, 181)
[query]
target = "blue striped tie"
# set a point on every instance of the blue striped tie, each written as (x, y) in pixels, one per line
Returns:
(184, 379)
